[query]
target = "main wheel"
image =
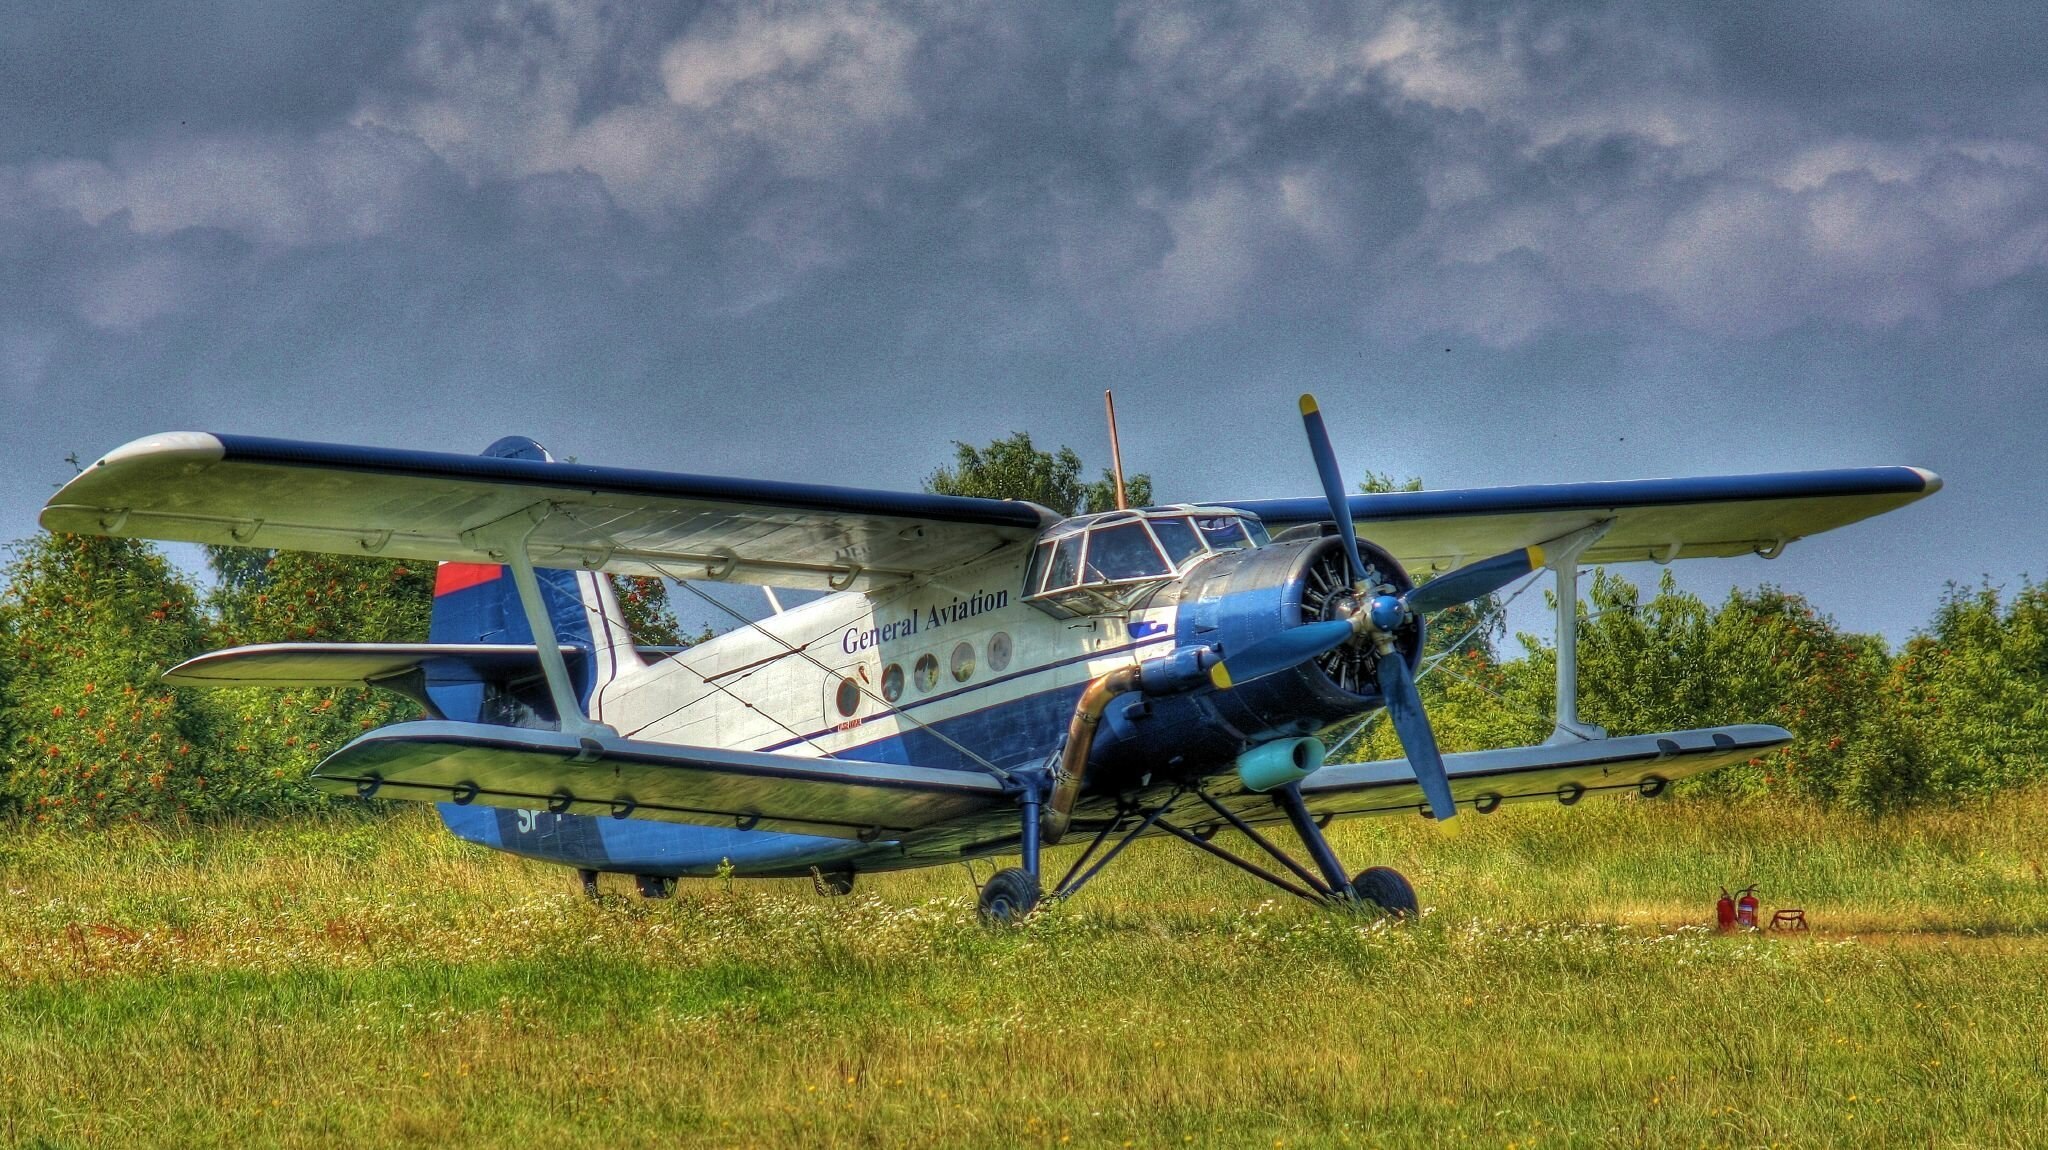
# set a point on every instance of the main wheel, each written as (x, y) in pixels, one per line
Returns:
(655, 885)
(1387, 889)
(832, 883)
(1008, 896)
(589, 880)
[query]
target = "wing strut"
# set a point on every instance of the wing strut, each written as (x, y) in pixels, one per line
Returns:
(506, 541)
(1564, 560)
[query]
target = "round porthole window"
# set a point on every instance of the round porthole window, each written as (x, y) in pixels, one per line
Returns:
(927, 671)
(892, 682)
(998, 651)
(963, 662)
(849, 696)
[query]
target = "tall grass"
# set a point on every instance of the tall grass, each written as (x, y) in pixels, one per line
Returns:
(370, 981)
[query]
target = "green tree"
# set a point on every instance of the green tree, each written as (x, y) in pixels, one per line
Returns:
(1676, 663)
(87, 624)
(280, 734)
(1973, 691)
(1013, 468)
(649, 618)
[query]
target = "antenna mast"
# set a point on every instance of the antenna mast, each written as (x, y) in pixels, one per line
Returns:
(1116, 454)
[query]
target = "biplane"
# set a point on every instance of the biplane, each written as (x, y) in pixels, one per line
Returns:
(984, 678)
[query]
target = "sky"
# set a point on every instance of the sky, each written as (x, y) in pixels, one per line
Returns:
(1503, 242)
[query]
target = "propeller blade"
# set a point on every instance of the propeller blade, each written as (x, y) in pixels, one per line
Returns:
(1473, 580)
(1333, 481)
(1289, 648)
(1404, 707)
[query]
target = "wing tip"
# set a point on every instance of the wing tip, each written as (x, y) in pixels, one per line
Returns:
(192, 446)
(1929, 481)
(85, 506)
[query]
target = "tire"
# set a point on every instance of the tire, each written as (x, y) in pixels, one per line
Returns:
(832, 884)
(1387, 889)
(655, 885)
(1008, 897)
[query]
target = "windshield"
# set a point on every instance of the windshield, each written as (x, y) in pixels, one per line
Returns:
(1123, 551)
(1224, 532)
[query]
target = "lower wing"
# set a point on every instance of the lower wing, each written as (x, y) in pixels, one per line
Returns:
(529, 769)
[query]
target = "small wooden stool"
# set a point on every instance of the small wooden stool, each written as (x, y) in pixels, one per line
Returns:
(1791, 918)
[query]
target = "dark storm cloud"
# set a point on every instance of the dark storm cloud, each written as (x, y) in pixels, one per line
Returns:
(763, 237)
(76, 79)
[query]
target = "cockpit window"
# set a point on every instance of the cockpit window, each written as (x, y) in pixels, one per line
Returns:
(1179, 539)
(1123, 551)
(1112, 561)
(1224, 532)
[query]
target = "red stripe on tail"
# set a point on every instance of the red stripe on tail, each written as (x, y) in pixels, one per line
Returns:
(451, 577)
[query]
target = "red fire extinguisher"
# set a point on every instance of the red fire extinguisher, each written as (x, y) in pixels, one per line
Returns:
(1724, 912)
(1745, 908)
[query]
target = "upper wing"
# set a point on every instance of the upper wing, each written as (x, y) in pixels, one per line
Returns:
(200, 488)
(1660, 519)
(527, 769)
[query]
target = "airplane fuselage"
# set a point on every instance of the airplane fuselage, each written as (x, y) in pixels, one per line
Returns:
(959, 673)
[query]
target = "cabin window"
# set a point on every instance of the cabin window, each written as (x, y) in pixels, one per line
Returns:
(927, 672)
(963, 662)
(998, 651)
(849, 697)
(1123, 551)
(892, 682)
(1179, 538)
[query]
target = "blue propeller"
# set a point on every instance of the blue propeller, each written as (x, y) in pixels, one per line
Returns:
(1378, 619)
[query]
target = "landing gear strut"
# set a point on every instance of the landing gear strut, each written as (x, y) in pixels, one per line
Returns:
(1012, 893)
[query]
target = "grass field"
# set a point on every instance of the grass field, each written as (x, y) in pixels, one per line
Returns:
(349, 981)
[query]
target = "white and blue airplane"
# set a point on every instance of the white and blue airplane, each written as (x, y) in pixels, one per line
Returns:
(988, 678)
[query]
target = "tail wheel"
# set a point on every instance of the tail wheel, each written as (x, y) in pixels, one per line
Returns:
(1387, 889)
(1008, 896)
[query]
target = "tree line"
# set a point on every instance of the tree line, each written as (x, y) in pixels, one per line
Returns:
(88, 733)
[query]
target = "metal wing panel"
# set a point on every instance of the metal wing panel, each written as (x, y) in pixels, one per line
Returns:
(1656, 519)
(352, 664)
(1520, 774)
(535, 770)
(201, 488)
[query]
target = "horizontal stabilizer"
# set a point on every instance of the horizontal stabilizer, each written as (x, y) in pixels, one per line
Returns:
(528, 769)
(353, 664)
(1643, 764)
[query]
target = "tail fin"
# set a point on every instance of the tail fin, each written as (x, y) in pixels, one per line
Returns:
(478, 603)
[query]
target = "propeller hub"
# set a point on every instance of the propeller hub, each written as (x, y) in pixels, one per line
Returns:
(1386, 612)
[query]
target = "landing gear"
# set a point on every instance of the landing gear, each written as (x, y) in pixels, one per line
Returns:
(589, 880)
(655, 885)
(832, 884)
(1008, 896)
(1387, 889)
